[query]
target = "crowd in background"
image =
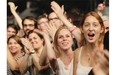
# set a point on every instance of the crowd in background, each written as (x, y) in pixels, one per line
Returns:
(59, 43)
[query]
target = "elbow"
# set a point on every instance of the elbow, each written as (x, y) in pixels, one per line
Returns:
(22, 70)
(14, 68)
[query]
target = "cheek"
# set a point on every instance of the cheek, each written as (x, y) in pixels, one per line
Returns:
(9, 46)
(59, 42)
(20, 47)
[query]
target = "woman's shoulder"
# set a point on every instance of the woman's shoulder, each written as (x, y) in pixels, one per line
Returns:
(78, 49)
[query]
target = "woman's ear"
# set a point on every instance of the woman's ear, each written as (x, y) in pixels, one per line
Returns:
(102, 30)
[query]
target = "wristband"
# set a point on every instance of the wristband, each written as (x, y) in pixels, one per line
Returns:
(73, 28)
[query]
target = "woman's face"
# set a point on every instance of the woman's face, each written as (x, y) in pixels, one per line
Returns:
(10, 32)
(64, 39)
(91, 29)
(13, 46)
(35, 40)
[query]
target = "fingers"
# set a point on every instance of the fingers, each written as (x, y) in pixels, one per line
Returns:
(38, 31)
(62, 9)
(56, 8)
(11, 4)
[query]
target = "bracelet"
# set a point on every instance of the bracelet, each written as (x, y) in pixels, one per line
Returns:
(73, 28)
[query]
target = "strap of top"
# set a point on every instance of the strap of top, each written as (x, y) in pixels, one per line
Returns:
(75, 61)
(80, 54)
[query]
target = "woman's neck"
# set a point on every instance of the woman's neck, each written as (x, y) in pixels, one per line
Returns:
(39, 50)
(66, 52)
(93, 46)
(66, 56)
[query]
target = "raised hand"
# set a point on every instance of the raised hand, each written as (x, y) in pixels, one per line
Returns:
(51, 29)
(27, 44)
(56, 8)
(102, 66)
(12, 6)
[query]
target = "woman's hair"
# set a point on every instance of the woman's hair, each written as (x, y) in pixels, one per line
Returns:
(15, 27)
(56, 38)
(94, 14)
(17, 39)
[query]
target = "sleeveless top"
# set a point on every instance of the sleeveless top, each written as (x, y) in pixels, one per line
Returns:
(63, 70)
(82, 70)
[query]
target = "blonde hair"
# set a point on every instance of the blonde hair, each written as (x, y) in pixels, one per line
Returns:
(57, 50)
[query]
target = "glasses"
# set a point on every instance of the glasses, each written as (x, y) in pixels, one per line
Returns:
(43, 23)
(30, 25)
(55, 18)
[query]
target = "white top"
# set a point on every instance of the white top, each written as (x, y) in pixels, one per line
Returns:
(62, 68)
(82, 70)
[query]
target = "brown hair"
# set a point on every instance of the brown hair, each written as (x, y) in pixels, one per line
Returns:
(17, 39)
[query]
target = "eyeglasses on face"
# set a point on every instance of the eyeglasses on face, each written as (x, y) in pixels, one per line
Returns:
(30, 25)
(55, 18)
(42, 22)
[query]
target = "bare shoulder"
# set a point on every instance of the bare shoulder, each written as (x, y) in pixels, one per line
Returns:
(77, 50)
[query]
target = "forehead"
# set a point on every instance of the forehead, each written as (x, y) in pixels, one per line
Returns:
(64, 32)
(42, 19)
(52, 15)
(11, 28)
(12, 40)
(101, 4)
(33, 35)
(28, 21)
(91, 19)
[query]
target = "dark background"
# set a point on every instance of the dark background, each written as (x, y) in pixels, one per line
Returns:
(40, 6)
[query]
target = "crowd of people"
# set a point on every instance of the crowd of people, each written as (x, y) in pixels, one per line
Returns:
(59, 43)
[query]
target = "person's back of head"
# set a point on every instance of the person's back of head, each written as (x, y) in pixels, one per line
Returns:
(74, 15)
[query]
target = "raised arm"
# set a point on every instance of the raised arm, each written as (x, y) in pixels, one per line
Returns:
(51, 54)
(59, 12)
(34, 55)
(49, 48)
(15, 14)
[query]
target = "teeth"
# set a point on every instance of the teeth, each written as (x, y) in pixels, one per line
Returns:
(91, 34)
(64, 43)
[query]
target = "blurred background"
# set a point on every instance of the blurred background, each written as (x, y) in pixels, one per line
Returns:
(38, 7)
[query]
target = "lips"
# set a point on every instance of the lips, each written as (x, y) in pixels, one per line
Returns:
(91, 35)
(65, 43)
(13, 49)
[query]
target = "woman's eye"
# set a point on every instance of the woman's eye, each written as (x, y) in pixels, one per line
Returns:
(60, 37)
(34, 38)
(30, 39)
(67, 35)
(86, 25)
(95, 25)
